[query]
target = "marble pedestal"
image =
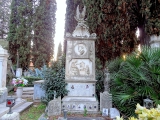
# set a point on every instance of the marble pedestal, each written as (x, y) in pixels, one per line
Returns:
(78, 104)
(81, 95)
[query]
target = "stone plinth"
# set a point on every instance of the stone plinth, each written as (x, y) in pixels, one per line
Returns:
(77, 104)
(3, 72)
(13, 116)
(38, 91)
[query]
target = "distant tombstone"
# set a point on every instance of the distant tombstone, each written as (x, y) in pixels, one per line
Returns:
(54, 107)
(113, 112)
(155, 41)
(105, 100)
(18, 72)
(39, 93)
(105, 112)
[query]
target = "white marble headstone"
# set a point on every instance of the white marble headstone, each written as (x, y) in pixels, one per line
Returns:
(19, 72)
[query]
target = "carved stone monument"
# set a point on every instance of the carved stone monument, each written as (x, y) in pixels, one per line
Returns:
(3, 72)
(80, 68)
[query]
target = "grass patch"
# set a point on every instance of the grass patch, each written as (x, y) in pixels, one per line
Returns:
(34, 112)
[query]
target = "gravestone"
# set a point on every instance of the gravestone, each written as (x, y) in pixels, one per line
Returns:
(54, 107)
(80, 68)
(154, 41)
(3, 72)
(113, 112)
(19, 72)
(105, 100)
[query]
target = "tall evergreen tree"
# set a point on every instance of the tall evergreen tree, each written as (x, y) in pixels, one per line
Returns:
(12, 31)
(20, 32)
(59, 52)
(109, 19)
(44, 31)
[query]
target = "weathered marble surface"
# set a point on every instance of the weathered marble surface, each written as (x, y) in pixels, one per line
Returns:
(54, 107)
(38, 91)
(105, 100)
(3, 73)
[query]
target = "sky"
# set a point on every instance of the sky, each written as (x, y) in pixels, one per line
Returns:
(60, 23)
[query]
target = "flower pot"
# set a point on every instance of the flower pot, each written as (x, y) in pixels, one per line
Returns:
(19, 93)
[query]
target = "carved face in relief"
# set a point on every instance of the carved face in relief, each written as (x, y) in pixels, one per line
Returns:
(80, 49)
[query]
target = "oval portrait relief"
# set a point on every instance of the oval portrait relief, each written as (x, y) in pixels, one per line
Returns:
(80, 49)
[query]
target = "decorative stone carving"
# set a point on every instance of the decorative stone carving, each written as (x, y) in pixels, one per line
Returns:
(80, 49)
(81, 29)
(80, 67)
(106, 80)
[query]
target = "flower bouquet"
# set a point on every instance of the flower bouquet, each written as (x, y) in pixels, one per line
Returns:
(19, 82)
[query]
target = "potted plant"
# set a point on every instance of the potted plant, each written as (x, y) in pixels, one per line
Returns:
(19, 83)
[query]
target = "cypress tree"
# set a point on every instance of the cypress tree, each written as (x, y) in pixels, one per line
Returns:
(12, 31)
(20, 32)
(109, 19)
(59, 53)
(44, 31)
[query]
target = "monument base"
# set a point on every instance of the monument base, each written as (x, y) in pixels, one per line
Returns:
(78, 104)
(13, 116)
(3, 94)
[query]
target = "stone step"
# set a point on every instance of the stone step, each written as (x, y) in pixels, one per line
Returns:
(27, 96)
(22, 107)
(4, 109)
(28, 89)
(24, 96)
(27, 92)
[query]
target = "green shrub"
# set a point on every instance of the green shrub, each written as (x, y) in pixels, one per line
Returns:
(31, 80)
(54, 81)
(135, 78)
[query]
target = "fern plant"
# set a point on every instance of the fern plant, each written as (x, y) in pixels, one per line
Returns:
(134, 79)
